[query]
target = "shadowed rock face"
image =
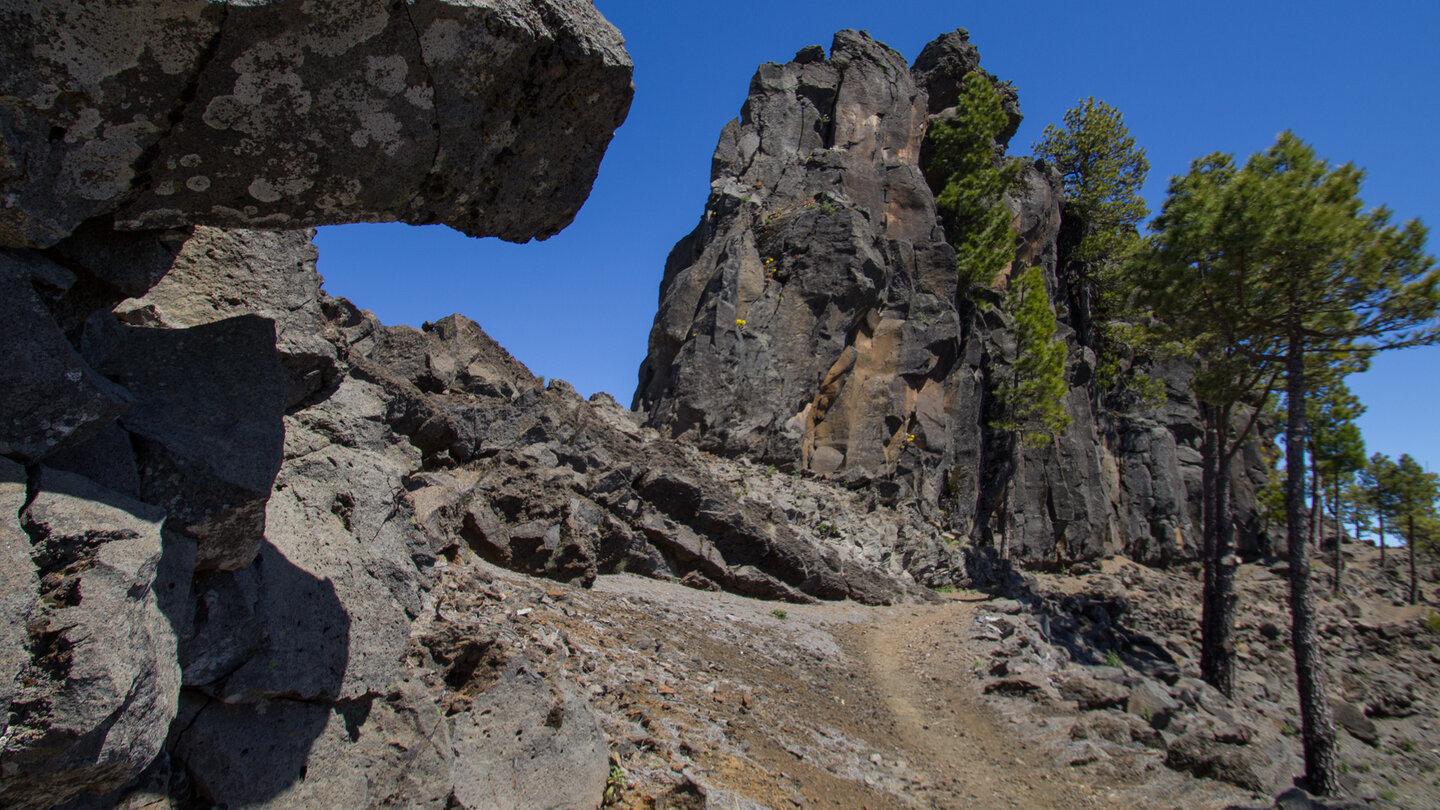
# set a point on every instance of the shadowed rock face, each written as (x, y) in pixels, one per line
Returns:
(813, 321)
(490, 117)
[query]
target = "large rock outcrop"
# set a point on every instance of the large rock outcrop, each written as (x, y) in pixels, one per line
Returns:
(209, 551)
(490, 117)
(813, 320)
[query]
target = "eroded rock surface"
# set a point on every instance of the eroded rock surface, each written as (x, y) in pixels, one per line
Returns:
(91, 696)
(489, 117)
(309, 630)
(206, 516)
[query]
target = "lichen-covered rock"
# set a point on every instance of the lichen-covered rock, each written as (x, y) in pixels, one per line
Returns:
(490, 117)
(242, 407)
(91, 705)
(221, 273)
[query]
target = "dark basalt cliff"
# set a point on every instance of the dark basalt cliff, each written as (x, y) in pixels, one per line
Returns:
(813, 320)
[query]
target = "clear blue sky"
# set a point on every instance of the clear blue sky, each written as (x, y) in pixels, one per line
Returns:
(1358, 81)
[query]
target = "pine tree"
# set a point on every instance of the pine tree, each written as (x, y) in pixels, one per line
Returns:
(1338, 451)
(1228, 381)
(1033, 399)
(1103, 171)
(973, 179)
(1415, 492)
(1280, 260)
(1376, 480)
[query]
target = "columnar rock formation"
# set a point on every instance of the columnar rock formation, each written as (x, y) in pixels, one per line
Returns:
(813, 320)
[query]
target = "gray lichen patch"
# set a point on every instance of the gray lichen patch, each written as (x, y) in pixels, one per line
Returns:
(306, 111)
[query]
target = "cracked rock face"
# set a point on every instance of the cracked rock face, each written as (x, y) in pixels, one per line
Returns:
(813, 321)
(490, 117)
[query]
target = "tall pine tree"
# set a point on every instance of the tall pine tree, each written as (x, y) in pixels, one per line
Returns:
(1415, 492)
(1338, 451)
(1376, 480)
(1280, 259)
(1032, 395)
(1103, 171)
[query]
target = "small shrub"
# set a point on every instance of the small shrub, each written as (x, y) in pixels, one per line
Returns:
(1112, 659)
(1407, 746)
(1432, 622)
(1388, 794)
(826, 528)
(1289, 730)
(780, 614)
(945, 589)
(614, 785)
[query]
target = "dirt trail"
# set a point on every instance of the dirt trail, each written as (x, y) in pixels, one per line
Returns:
(918, 661)
(758, 705)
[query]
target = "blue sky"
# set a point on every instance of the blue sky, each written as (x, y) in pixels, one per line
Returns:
(1358, 81)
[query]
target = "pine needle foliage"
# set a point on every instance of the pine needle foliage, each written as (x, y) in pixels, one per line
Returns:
(1103, 171)
(975, 181)
(1033, 399)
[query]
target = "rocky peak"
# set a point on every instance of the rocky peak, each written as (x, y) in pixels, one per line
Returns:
(943, 65)
(813, 321)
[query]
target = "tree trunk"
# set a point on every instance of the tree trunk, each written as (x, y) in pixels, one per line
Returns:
(1005, 521)
(1357, 524)
(1210, 653)
(1318, 728)
(1410, 546)
(1225, 563)
(1339, 531)
(1315, 517)
(1381, 517)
